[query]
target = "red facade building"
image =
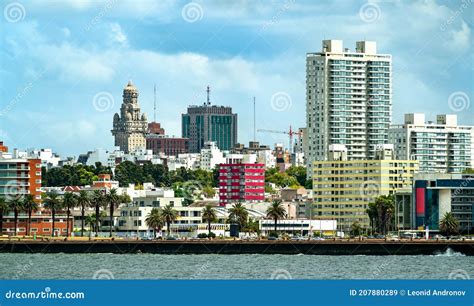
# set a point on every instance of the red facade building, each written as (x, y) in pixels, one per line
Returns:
(241, 183)
(158, 142)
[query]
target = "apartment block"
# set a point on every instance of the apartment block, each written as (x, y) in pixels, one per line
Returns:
(344, 188)
(241, 183)
(348, 100)
(440, 147)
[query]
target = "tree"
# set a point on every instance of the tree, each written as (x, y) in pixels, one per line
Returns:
(53, 203)
(155, 220)
(15, 204)
(30, 206)
(169, 215)
(83, 200)
(69, 201)
(113, 200)
(371, 211)
(238, 214)
(208, 215)
(92, 221)
(4, 208)
(356, 229)
(449, 224)
(276, 211)
(98, 200)
(208, 192)
(381, 213)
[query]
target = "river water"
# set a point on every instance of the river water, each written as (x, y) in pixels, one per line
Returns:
(154, 266)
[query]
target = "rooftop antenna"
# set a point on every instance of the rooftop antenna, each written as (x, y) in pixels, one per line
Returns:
(208, 92)
(254, 124)
(154, 103)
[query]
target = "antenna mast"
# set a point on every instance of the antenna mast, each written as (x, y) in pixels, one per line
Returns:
(208, 93)
(254, 124)
(154, 103)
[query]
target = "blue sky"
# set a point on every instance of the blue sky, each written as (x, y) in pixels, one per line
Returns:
(63, 64)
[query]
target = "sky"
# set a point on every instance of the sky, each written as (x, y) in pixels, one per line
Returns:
(64, 64)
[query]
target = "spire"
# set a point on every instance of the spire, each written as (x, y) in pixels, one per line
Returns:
(208, 93)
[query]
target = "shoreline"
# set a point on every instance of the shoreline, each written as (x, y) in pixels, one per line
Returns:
(327, 247)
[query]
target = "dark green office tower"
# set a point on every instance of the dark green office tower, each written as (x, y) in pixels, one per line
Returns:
(209, 123)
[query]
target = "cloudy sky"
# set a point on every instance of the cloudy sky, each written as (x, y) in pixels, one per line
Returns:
(63, 64)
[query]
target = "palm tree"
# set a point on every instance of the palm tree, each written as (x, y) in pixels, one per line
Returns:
(356, 229)
(276, 211)
(449, 224)
(70, 201)
(16, 205)
(239, 214)
(83, 200)
(91, 221)
(155, 220)
(371, 211)
(98, 200)
(4, 208)
(169, 215)
(30, 206)
(208, 215)
(53, 203)
(113, 200)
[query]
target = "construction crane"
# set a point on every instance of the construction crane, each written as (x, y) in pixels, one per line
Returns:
(290, 133)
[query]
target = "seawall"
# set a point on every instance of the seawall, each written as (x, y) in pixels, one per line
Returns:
(241, 247)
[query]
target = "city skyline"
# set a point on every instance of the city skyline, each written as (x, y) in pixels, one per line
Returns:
(57, 74)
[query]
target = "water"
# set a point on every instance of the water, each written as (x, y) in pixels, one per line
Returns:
(154, 266)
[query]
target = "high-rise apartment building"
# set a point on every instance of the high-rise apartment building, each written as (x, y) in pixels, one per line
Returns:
(130, 127)
(348, 100)
(344, 188)
(442, 146)
(209, 123)
(241, 183)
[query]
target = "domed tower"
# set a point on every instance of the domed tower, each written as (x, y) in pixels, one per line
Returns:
(129, 129)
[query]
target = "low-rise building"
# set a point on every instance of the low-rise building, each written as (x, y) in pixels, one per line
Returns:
(434, 197)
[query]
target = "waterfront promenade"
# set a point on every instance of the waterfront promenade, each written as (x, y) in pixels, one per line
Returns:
(308, 247)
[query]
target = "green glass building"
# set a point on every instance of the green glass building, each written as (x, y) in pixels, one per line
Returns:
(209, 123)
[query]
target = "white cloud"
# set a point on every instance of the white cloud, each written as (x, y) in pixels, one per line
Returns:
(117, 34)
